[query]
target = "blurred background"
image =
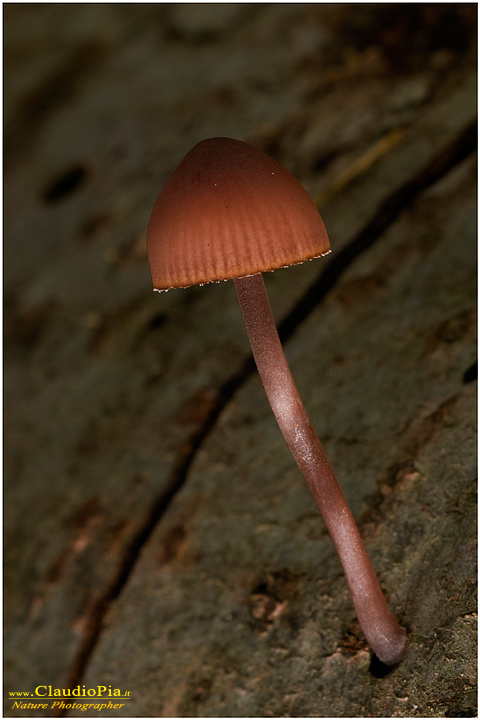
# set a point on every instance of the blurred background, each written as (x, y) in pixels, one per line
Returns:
(158, 537)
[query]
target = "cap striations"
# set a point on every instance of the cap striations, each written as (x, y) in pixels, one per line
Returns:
(230, 211)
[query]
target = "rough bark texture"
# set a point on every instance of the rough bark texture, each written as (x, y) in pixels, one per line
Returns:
(158, 535)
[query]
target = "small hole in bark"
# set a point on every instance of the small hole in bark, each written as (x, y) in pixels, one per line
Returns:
(157, 321)
(378, 669)
(323, 161)
(65, 184)
(471, 374)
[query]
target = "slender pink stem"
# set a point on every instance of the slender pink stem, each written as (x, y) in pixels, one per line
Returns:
(385, 636)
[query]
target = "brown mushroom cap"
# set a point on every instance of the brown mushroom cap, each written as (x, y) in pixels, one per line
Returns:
(230, 211)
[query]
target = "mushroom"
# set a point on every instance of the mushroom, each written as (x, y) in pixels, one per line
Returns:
(231, 212)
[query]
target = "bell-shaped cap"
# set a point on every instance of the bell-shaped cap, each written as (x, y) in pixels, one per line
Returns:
(230, 211)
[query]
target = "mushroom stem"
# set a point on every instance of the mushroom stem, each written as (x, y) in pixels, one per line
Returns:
(385, 636)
